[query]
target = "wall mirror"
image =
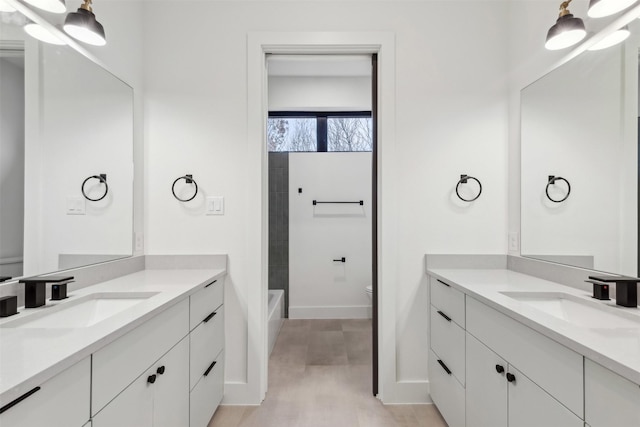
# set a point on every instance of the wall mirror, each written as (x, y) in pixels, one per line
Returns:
(66, 157)
(579, 165)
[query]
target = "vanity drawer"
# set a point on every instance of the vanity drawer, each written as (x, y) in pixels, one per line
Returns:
(609, 399)
(207, 394)
(207, 340)
(552, 366)
(206, 300)
(446, 392)
(118, 364)
(448, 300)
(61, 401)
(448, 342)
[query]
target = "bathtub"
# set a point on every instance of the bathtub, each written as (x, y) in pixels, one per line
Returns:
(276, 315)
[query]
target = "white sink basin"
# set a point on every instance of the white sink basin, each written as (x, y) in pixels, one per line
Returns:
(82, 312)
(578, 311)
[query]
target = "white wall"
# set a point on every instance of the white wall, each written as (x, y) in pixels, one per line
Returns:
(320, 288)
(451, 118)
(319, 93)
(11, 166)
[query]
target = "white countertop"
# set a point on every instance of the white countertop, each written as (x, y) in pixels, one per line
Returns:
(615, 348)
(30, 356)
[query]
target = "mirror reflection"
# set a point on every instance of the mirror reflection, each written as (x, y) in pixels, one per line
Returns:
(579, 136)
(66, 158)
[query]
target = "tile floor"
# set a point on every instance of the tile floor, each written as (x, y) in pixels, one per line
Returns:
(320, 376)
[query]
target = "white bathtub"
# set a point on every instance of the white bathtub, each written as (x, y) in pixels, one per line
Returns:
(276, 315)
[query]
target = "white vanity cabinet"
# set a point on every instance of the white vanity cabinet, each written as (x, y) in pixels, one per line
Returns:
(157, 398)
(610, 400)
(499, 395)
(206, 377)
(62, 401)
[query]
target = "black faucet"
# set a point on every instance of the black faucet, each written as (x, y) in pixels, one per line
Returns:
(626, 289)
(35, 289)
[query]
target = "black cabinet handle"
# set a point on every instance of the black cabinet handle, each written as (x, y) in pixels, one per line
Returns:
(206, 286)
(209, 317)
(444, 366)
(160, 370)
(444, 315)
(18, 400)
(446, 284)
(499, 369)
(151, 379)
(510, 377)
(210, 368)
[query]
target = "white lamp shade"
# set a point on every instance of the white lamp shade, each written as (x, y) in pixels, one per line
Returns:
(38, 32)
(6, 7)
(53, 6)
(566, 32)
(612, 39)
(601, 8)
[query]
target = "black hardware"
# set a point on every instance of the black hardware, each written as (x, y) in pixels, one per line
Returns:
(499, 369)
(8, 306)
(299, 190)
(444, 366)
(18, 400)
(626, 289)
(552, 180)
(58, 291)
(103, 179)
(343, 259)
(4, 278)
(360, 202)
(209, 284)
(209, 317)
(446, 284)
(444, 315)
(151, 379)
(189, 180)
(463, 180)
(210, 368)
(510, 377)
(160, 370)
(35, 291)
(600, 290)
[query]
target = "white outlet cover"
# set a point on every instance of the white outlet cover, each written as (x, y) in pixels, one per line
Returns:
(76, 205)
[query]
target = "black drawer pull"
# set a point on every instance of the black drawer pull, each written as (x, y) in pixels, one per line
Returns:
(206, 286)
(18, 400)
(160, 370)
(209, 317)
(210, 368)
(151, 379)
(444, 366)
(510, 377)
(446, 284)
(499, 369)
(444, 315)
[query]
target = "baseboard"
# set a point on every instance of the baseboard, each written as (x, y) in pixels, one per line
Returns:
(329, 312)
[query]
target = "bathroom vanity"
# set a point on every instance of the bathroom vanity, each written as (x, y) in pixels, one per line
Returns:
(508, 348)
(144, 349)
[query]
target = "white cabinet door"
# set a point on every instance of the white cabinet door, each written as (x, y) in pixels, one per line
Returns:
(486, 401)
(171, 391)
(131, 408)
(531, 406)
(62, 401)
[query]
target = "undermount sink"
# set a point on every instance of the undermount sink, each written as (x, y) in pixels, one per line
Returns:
(82, 312)
(577, 311)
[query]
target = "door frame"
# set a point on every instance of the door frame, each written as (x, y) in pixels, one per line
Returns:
(259, 45)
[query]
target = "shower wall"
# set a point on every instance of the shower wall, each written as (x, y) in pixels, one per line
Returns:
(279, 224)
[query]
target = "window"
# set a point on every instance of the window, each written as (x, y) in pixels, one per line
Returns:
(320, 131)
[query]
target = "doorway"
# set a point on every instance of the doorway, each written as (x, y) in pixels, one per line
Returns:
(321, 137)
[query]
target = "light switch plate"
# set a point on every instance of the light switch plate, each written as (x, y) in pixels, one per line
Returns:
(215, 205)
(76, 205)
(514, 241)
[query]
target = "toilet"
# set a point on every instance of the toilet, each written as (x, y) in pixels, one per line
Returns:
(369, 291)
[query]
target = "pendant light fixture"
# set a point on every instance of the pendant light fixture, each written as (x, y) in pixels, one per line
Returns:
(6, 7)
(567, 31)
(612, 39)
(82, 25)
(39, 32)
(600, 8)
(53, 6)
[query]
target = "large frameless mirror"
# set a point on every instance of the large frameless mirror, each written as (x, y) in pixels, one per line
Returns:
(579, 136)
